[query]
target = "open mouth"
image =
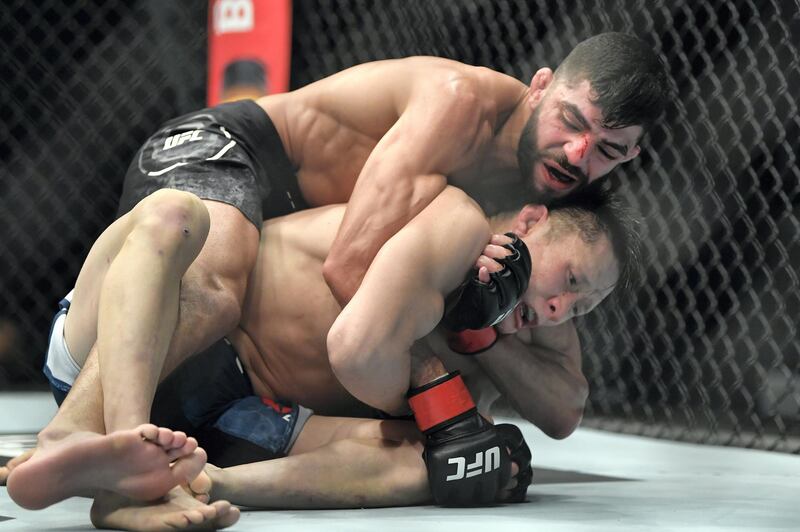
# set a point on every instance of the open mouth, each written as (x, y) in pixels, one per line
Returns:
(558, 178)
(525, 316)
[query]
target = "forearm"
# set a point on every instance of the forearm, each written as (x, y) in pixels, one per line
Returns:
(345, 473)
(543, 385)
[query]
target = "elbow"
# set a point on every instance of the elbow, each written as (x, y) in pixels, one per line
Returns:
(330, 269)
(564, 424)
(344, 355)
(352, 354)
(565, 417)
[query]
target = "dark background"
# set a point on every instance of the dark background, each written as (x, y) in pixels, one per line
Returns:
(707, 350)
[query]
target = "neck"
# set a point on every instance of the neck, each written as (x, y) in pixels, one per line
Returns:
(506, 140)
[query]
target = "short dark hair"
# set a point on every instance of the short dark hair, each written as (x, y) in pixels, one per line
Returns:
(594, 211)
(628, 79)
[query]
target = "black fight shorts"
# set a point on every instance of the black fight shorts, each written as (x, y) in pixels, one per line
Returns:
(210, 397)
(231, 153)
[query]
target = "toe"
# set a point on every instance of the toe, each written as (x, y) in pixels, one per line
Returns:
(165, 437)
(188, 447)
(148, 432)
(187, 468)
(201, 485)
(179, 439)
(226, 517)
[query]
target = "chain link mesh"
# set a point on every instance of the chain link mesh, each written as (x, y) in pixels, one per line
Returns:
(706, 351)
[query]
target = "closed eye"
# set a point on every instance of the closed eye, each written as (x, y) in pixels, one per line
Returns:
(572, 281)
(605, 153)
(572, 126)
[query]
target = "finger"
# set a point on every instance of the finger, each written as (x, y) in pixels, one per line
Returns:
(483, 275)
(500, 240)
(489, 263)
(496, 252)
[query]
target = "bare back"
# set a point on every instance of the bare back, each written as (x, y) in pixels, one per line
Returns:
(289, 308)
(330, 127)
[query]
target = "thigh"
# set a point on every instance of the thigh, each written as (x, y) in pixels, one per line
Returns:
(153, 214)
(214, 286)
(320, 431)
(231, 247)
(80, 328)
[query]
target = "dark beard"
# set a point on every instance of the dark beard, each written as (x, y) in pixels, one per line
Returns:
(527, 156)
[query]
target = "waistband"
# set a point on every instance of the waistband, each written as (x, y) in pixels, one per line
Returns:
(252, 125)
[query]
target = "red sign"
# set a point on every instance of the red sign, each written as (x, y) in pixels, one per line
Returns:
(249, 48)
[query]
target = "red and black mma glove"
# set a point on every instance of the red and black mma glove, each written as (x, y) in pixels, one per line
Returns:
(466, 457)
(475, 307)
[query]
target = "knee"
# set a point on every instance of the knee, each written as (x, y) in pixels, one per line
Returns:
(173, 222)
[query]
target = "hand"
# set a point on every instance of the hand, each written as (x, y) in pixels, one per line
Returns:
(476, 304)
(467, 458)
(486, 263)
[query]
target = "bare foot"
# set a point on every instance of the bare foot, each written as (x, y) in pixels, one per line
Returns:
(200, 488)
(178, 510)
(11, 464)
(134, 463)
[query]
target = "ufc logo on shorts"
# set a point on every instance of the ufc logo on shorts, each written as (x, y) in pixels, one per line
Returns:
(180, 138)
(485, 462)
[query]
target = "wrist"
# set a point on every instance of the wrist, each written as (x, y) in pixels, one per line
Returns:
(425, 369)
(472, 341)
(441, 402)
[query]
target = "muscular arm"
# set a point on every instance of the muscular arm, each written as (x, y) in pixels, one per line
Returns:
(402, 175)
(539, 372)
(401, 299)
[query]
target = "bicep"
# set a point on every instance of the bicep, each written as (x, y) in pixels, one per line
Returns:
(429, 140)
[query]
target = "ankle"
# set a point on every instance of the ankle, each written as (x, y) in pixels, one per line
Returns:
(54, 434)
(217, 476)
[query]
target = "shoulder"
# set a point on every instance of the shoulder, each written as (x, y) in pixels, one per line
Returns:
(456, 211)
(458, 97)
(456, 230)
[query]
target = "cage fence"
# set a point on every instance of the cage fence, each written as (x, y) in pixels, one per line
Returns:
(707, 350)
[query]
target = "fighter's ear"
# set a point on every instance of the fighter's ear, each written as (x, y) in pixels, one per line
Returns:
(530, 216)
(634, 152)
(539, 83)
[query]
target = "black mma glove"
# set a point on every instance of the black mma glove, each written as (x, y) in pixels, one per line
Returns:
(466, 457)
(476, 305)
